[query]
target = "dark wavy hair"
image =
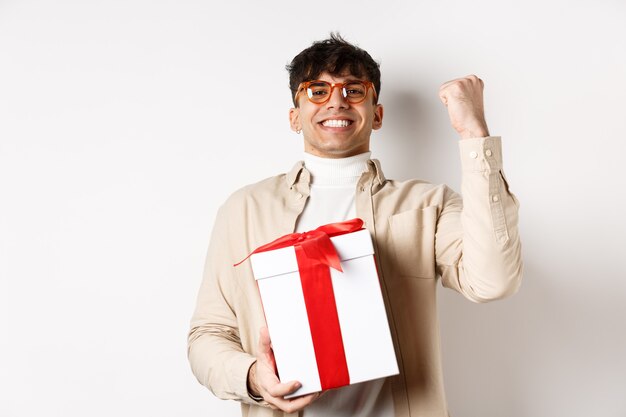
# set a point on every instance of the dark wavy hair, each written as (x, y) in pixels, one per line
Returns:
(333, 55)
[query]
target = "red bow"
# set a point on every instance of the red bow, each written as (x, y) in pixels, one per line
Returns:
(315, 243)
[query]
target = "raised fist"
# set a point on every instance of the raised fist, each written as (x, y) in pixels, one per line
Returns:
(464, 99)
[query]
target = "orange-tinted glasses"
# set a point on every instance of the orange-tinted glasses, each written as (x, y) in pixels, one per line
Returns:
(319, 92)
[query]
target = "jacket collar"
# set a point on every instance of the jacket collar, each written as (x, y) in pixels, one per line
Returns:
(299, 173)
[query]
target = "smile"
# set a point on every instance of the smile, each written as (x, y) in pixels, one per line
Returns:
(336, 123)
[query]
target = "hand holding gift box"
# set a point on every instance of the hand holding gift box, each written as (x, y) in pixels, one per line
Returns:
(324, 308)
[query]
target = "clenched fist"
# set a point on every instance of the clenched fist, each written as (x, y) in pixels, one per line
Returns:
(464, 99)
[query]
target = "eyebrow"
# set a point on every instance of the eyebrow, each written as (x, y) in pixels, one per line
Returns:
(350, 80)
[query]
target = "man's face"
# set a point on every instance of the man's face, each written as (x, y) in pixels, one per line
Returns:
(321, 137)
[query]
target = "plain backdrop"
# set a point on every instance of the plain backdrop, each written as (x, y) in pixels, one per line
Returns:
(125, 124)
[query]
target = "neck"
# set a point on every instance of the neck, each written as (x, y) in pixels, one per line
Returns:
(336, 171)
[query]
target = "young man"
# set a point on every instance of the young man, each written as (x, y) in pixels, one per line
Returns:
(420, 232)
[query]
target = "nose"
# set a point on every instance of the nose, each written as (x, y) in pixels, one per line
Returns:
(337, 99)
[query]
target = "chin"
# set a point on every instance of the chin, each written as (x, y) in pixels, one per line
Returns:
(336, 147)
(336, 152)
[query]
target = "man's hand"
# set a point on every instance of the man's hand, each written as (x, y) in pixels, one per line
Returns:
(464, 99)
(263, 382)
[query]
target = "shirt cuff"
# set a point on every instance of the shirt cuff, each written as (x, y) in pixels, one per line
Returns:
(254, 397)
(481, 154)
(240, 373)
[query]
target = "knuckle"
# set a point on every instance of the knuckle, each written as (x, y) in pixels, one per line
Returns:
(456, 87)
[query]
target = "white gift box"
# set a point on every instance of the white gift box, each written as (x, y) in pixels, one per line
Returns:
(364, 329)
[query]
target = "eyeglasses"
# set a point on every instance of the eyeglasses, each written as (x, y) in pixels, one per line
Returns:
(319, 91)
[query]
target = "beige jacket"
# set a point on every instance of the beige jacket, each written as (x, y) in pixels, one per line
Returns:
(420, 231)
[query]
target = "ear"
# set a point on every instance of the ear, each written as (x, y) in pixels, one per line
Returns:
(294, 119)
(377, 122)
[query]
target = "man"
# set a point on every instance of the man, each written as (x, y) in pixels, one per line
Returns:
(420, 232)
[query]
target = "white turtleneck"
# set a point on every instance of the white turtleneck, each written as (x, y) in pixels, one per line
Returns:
(333, 186)
(332, 199)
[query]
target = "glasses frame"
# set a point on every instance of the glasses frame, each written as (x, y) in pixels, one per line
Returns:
(306, 84)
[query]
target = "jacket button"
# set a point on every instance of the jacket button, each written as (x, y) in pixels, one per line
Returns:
(488, 152)
(473, 155)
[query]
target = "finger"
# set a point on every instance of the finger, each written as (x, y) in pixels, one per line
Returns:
(293, 405)
(475, 78)
(447, 83)
(264, 336)
(264, 341)
(265, 352)
(444, 98)
(453, 87)
(282, 389)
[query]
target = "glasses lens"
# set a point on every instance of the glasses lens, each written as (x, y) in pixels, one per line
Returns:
(354, 91)
(318, 92)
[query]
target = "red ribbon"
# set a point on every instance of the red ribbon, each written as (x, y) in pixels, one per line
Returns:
(315, 253)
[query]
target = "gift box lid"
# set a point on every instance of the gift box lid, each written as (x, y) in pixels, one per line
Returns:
(283, 261)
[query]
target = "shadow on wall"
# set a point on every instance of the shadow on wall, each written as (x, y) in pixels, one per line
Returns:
(536, 353)
(549, 350)
(417, 137)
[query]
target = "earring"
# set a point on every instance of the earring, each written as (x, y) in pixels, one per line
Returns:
(298, 131)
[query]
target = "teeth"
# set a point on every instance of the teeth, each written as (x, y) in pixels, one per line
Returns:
(336, 123)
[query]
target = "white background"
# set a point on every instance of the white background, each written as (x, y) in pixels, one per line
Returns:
(124, 125)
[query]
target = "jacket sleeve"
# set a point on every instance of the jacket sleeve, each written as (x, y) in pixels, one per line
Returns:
(477, 243)
(214, 348)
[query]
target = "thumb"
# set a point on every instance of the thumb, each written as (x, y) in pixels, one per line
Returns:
(443, 96)
(265, 344)
(265, 348)
(264, 340)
